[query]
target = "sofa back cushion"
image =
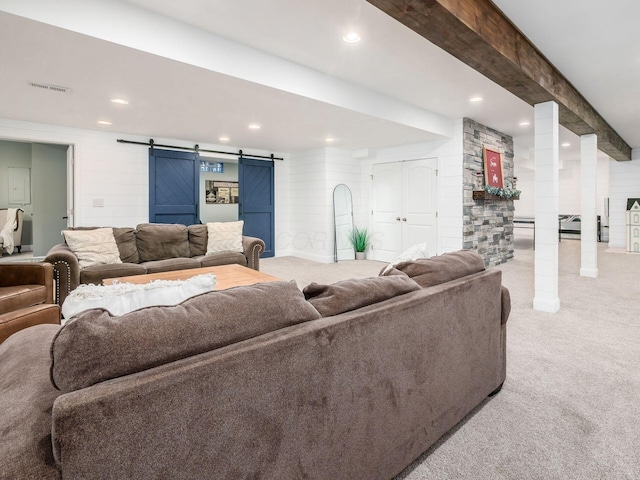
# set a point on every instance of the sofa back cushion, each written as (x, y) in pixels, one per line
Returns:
(159, 241)
(352, 294)
(197, 239)
(126, 241)
(440, 269)
(96, 346)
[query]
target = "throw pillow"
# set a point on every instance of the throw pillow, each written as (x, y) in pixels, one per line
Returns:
(352, 294)
(121, 298)
(224, 237)
(414, 252)
(93, 247)
(160, 241)
(428, 272)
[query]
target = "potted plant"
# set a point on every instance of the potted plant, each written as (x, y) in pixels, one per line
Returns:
(360, 240)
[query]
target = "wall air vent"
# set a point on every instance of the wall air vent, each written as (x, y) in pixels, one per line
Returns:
(55, 88)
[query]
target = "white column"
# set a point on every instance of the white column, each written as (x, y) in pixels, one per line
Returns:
(546, 209)
(588, 214)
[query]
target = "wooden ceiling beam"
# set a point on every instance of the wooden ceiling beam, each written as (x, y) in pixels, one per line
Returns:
(480, 35)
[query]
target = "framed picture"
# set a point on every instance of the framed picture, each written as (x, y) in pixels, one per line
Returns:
(221, 192)
(493, 174)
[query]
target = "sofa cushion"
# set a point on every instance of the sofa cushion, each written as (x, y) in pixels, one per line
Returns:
(126, 241)
(27, 396)
(197, 239)
(93, 247)
(96, 346)
(440, 269)
(21, 296)
(352, 294)
(224, 237)
(171, 264)
(225, 258)
(98, 273)
(159, 241)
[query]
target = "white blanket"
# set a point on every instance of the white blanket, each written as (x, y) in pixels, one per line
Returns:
(6, 233)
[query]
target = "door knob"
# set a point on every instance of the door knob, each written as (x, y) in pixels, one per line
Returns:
(398, 218)
(404, 219)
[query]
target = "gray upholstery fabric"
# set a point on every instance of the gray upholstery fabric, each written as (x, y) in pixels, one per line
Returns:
(153, 336)
(351, 294)
(170, 264)
(506, 305)
(159, 241)
(26, 397)
(198, 239)
(126, 241)
(432, 271)
(224, 258)
(356, 396)
(97, 273)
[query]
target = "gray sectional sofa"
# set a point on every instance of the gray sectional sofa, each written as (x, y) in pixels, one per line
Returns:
(148, 248)
(346, 381)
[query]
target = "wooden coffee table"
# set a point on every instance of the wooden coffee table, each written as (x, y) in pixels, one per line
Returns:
(227, 276)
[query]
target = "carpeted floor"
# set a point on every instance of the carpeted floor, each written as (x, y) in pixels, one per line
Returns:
(570, 408)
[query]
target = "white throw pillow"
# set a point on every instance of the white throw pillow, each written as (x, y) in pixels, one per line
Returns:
(121, 298)
(93, 247)
(414, 252)
(224, 237)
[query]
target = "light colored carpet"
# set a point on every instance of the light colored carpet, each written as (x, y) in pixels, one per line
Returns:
(570, 407)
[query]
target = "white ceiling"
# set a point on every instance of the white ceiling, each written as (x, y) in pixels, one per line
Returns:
(177, 100)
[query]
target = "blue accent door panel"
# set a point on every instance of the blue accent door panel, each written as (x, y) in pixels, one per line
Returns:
(256, 184)
(174, 187)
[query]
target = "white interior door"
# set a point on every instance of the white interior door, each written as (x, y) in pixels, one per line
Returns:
(387, 211)
(419, 204)
(404, 207)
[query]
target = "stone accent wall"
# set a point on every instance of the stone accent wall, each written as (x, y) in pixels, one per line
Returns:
(487, 224)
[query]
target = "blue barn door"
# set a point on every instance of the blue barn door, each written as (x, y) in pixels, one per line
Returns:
(174, 186)
(256, 207)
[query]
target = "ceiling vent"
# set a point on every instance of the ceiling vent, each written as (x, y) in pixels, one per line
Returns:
(54, 88)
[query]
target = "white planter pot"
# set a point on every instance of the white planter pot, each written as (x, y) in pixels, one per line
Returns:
(360, 255)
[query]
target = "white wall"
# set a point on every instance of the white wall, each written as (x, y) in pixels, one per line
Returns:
(450, 182)
(105, 170)
(569, 187)
(624, 183)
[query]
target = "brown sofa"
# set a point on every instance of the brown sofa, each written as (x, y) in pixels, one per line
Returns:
(26, 297)
(255, 382)
(149, 248)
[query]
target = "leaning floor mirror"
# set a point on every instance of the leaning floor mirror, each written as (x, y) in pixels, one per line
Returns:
(343, 218)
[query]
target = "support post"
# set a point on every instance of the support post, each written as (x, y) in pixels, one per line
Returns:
(546, 207)
(588, 214)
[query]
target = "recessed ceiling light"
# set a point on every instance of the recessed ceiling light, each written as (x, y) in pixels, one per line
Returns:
(475, 99)
(254, 126)
(119, 101)
(223, 139)
(351, 37)
(104, 122)
(525, 123)
(565, 144)
(329, 140)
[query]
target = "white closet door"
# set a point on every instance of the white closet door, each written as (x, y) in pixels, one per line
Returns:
(419, 204)
(404, 207)
(387, 211)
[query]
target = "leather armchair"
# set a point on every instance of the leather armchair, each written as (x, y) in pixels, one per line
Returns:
(26, 297)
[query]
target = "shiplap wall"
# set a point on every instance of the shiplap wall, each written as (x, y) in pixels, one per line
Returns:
(312, 176)
(625, 183)
(115, 173)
